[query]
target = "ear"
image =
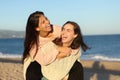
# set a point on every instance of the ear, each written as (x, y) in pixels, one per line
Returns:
(37, 29)
(75, 35)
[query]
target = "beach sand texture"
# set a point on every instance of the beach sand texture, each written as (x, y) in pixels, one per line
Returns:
(12, 69)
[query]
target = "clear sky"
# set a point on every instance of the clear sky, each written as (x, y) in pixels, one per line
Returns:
(93, 16)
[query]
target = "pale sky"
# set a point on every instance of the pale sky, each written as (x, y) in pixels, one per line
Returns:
(93, 16)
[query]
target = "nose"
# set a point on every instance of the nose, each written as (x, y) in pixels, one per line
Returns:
(47, 21)
(63, 32)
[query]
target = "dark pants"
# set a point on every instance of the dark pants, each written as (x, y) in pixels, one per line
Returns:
(76, 72)
(34, 72)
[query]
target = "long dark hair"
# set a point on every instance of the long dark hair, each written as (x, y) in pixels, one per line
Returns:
(31, 35)
(78, 41)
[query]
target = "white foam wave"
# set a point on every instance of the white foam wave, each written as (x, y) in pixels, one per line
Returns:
(99, 57)
(2, 55)
(105, 58)
(83, 57)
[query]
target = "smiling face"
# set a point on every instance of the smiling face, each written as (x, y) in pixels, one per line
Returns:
(68, 34)
(44, 24)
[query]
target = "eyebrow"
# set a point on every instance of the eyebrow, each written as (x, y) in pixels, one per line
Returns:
(66, 29)
(46, 18)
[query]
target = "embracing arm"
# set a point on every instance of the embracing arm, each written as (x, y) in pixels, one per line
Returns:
(46, 54)
(66, 51)
(63, 52)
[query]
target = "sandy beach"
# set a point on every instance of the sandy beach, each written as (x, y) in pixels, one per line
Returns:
(11, 69)
(101, 70)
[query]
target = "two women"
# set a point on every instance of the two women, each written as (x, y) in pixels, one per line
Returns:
(38, 33)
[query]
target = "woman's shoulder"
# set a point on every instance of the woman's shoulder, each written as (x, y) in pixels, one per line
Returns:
(75, 51)
(49, 44)
(56, 27)
(56, 30)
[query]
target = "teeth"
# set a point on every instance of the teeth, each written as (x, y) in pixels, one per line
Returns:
(64, 37)
(48, 25)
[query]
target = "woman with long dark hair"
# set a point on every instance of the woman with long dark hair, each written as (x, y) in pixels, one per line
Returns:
(71, 37)
(38, 33)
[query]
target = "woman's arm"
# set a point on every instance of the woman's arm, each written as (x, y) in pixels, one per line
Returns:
(46, 54)
(66, 51)
(63, 52)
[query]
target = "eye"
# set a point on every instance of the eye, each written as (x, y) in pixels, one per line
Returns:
(62, 28)
(43, 21)
(46, 18)
(69, 30)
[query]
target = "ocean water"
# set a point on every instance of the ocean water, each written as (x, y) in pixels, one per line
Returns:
(102, 47)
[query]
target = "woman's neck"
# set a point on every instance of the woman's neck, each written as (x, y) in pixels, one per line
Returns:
(44, 34)
(66, 44)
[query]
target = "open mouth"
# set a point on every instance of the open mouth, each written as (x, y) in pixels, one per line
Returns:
(64, 37)
(48, 25)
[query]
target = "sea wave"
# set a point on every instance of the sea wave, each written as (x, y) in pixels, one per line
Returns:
(2, 55)
(83, 57)
(99, 57)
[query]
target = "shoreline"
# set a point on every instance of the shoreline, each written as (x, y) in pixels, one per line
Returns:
(12, 69)
(19, 57)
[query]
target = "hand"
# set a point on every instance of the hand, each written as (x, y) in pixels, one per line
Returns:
(63, 52)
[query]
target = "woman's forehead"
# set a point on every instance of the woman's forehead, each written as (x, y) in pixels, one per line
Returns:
(68, 26)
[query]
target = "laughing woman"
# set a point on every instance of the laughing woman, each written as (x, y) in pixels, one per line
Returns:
(71, 37)
(58, 56)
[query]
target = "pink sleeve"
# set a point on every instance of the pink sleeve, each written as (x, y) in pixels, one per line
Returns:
(56, 30)
(47, 54)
